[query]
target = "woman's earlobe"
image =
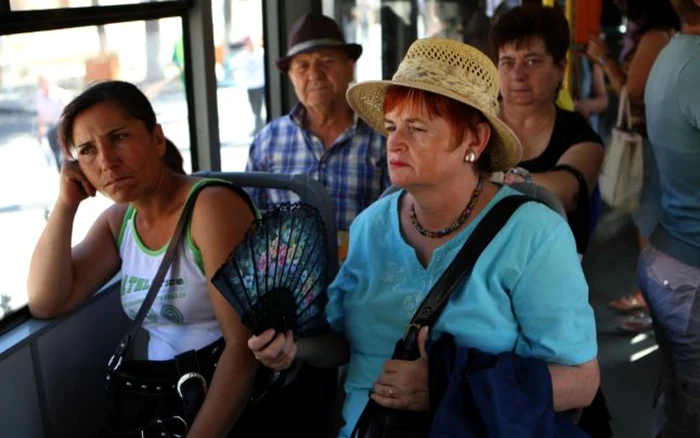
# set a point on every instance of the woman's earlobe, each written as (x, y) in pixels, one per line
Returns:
(471, 156)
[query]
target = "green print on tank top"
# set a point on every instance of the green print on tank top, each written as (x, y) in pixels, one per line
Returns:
(151, 316)
(172, 314)
(132, 284)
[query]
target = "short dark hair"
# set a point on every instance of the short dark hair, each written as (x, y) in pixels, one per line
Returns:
(688, 10)
(523, 23)
(130, 99)
(653, 14)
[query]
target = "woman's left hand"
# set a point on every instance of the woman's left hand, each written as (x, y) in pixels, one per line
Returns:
(597, 50)
(583, 106)
(403, 384)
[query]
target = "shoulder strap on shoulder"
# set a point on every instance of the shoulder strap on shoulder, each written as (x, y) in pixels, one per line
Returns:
(168, 258)
(242, 193)
(463, 263)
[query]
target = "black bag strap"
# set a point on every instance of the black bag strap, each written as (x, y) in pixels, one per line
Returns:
(580, 222)
(374, 420)
(461, 266)
(180, 230)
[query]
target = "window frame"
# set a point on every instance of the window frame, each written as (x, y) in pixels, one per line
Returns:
(200, 80)
(14, 22)
(13, 319)
(29, 21)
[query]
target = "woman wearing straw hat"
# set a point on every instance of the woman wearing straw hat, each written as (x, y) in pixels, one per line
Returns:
(526, 294)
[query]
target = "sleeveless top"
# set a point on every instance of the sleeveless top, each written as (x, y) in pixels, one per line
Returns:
(181, 317)
(570, 128)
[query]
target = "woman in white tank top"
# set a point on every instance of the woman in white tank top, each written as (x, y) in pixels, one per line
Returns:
(119, 149)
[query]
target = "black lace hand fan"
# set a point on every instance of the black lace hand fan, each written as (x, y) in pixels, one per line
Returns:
(278, 276)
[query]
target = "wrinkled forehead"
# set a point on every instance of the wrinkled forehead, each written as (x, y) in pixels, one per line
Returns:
(415, 109)
(319, 54)
(98, 120)
(532, 45)
(408, 111)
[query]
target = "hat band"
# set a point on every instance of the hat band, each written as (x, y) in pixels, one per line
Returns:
(298, 48)
(433, 75)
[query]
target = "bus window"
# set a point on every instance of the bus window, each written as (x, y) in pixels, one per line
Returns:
(47, 70)
(241, 77)
(360, 21)
(23, 5)
(386, 29)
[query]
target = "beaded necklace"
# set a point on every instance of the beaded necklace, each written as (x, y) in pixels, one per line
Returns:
(454, 225)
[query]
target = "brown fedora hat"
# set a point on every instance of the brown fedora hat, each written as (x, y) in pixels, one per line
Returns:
(314, 32)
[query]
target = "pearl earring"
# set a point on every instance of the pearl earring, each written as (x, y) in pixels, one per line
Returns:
(471, 156)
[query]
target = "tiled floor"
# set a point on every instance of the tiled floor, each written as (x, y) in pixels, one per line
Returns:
(628, 385)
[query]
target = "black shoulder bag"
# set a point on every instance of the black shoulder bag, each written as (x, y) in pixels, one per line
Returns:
(159, 398)
(377, 421)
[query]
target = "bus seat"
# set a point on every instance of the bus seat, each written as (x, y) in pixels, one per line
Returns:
(308, 189)
(314, 193)
(542, 195)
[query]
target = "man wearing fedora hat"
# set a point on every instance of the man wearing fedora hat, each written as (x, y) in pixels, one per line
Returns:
(321, 136)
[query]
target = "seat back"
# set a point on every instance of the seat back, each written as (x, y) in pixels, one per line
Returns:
(309, 190)
(542, 195)
(314, 387)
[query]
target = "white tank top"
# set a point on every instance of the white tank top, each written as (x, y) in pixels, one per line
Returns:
(181, 318)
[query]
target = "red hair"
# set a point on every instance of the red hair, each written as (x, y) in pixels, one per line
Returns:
(456, 113)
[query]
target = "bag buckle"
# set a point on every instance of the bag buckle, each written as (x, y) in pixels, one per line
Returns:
(187, 376)
(185, 427)
(115, 360)
(114, 363)
(165, 428)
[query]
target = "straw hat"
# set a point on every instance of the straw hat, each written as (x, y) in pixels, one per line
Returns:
(452, 69)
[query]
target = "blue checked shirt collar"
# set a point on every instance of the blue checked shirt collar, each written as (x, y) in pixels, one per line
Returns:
(353, 170)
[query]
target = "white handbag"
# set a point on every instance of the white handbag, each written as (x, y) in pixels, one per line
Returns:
(623, 169)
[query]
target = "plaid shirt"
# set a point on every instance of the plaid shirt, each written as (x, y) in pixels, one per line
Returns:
(353, 170)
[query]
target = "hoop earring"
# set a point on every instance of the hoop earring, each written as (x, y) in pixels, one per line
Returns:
(471, 156)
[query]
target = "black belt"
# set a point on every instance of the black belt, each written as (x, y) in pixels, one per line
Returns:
(159, 377)
(185, 377)
(173, 427)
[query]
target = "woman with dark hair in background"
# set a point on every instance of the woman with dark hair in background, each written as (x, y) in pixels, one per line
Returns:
(560, 150)
(119, 149)
(651, 25)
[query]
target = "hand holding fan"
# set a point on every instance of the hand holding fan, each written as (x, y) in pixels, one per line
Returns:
(277, 277)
